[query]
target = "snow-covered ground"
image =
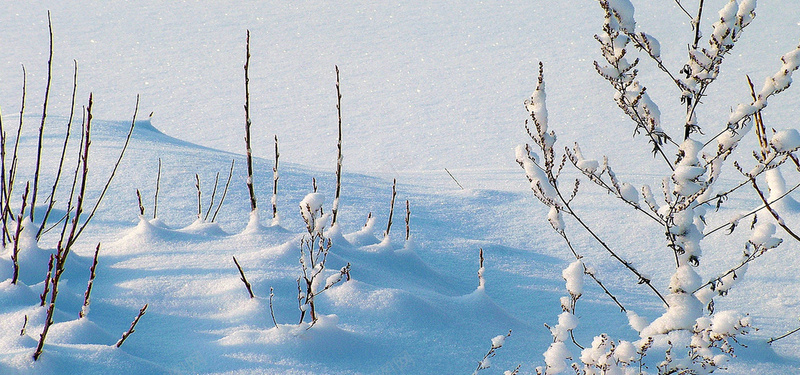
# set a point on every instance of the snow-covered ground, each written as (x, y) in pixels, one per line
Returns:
(426, 86)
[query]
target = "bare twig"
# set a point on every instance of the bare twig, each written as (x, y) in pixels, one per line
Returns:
(24, 326)
(213, 196)
(15, 250)
(92, 274)
(65, 243)
(139, 199)
(335, 208)
(244, 279)
(275, 178)
(391, 208)
(454, 179)
(113, 171)
(158, 185)
(43, 296)
(44, 116)
(774, 213)
(408, 220)
(247, 125)
(271, 310)
(199, 204)
(224, 191)
(131, 330)
(51, 201)
(787, 334)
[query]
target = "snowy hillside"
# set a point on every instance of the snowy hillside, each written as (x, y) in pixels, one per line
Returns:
(425, 86)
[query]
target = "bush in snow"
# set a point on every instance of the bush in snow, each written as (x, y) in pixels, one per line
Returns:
(314, 249)
(693, 337)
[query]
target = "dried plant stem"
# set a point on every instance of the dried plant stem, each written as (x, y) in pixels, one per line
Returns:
(12, 172)
(15, 250)
(271, 310)
(335, 209)
(408, 220)
(391, 208)
(244, 279)
(139, 199)
(158, 185)
(199, 204)
(213, 196)
(24, 326)
(65, 243)
(224, 191)
(787, 334)
(43, 296)
(774, 213)
(51, 201)
(275, 178)
(113, 171)
(454, 179)
(247, 125)
(752, 212)
(131, 330)
(92, 274)
(44, 116)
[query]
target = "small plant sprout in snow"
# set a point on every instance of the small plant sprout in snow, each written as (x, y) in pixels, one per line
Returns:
(486, 362)
(314, 249)
(692, 342)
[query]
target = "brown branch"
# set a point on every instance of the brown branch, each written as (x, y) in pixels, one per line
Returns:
(247, 125)
(391, 208)
(44, 116)
(92, 274)
(131, 330)
(244, 279)
(335, 209)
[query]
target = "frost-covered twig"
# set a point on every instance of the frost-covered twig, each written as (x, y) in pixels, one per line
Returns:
(197, 188)
(454, 178)
(131, 330)
(497, 343)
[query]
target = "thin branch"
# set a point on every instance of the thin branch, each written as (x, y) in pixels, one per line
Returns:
(224, 191)
(113, 171)
(44, 116)
(772, 211)
(213, 196)
(244, 279)
(454, 179)
(335, 209)
(752, 212)
(51, 202)
(275, 178)
(92, 274)
(247, 125)
(271, 310)
(158, 185)
(391, 208)
(133, 325)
